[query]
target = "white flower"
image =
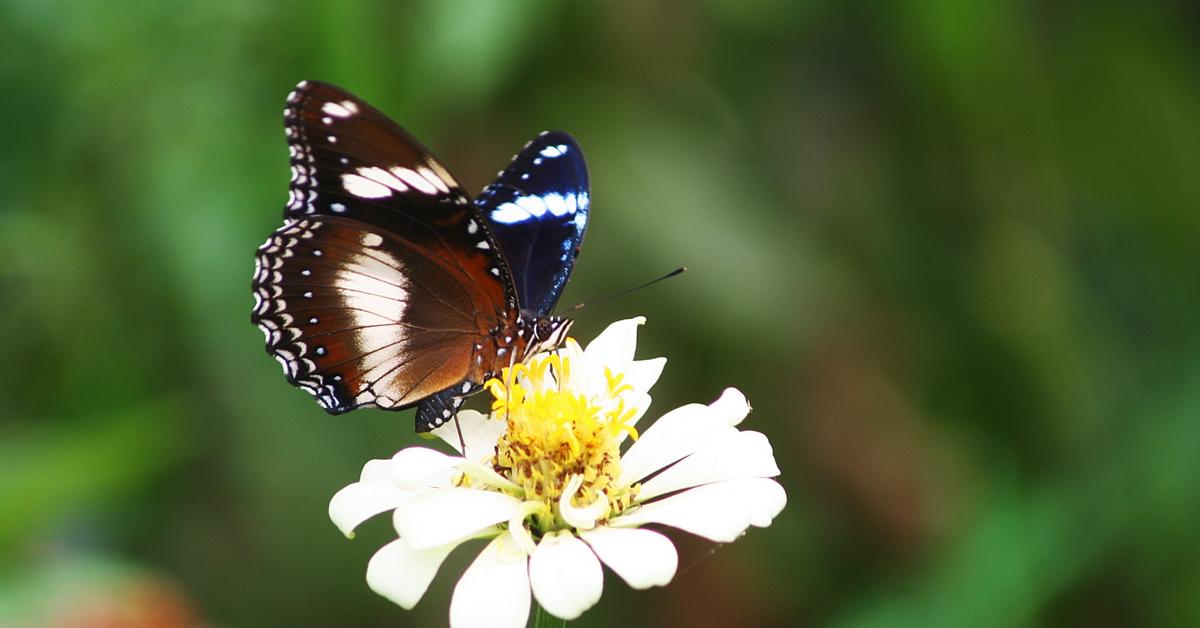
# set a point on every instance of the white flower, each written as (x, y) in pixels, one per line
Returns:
(543, 478)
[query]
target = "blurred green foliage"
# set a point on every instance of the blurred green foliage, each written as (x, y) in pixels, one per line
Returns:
(947, 249)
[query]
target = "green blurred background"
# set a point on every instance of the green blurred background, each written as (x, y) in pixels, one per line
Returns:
(947, 248)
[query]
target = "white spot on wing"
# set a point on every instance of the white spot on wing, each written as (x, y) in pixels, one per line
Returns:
(414, 179)
(383, 177)
(509, 213)
(339, 110)
(374, 293)
(527, 207)
(556, 204)
(442, 173)
(532, 204)
(363, 187)
(433, 178)
(554, 151)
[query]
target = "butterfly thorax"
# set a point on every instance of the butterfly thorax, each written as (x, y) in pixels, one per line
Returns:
(547, 333)
(523, 335)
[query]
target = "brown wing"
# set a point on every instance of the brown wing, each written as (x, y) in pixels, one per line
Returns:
(359, 318)
(384, 277)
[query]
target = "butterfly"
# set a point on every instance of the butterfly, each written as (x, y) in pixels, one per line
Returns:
(386, 286)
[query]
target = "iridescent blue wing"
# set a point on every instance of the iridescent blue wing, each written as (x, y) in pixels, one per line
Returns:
(538, 211)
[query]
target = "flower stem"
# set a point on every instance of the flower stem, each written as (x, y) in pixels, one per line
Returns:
(542, 619)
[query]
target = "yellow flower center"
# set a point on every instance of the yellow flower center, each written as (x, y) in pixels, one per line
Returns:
(556, 433)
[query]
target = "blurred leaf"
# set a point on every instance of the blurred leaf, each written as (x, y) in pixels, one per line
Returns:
(47, 475)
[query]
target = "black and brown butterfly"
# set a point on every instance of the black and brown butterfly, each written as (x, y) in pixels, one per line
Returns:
(386, 286)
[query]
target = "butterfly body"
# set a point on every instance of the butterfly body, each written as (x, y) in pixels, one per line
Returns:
(386, 287)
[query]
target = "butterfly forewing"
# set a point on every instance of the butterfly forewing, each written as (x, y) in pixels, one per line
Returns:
(344, 147)
(384, 278)
(538, 211)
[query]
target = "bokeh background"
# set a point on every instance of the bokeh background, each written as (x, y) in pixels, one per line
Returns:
(947, 248)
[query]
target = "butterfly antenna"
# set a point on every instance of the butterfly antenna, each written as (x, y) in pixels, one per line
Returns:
(676, 272)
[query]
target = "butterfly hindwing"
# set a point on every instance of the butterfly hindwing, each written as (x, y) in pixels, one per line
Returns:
(538, 212)
(350, 315)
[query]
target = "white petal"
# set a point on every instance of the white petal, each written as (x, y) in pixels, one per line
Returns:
(614, 347)
(376, 470)
(674, 435)
(742, 455)
(766, 501)
(642, 558)
(487, 475)
(439, 516)
(479, 434)
(731, 407)
(720, 512)
(639, 403)
(520, 534)
(570, 350)
(565, 575)
(401, 574)
(643, 374)
(581, 517)
(360, 501)
(416, 467)
(494, 590)
(576, 379)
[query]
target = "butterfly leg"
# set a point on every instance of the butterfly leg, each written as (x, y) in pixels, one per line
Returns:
(508, 389)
